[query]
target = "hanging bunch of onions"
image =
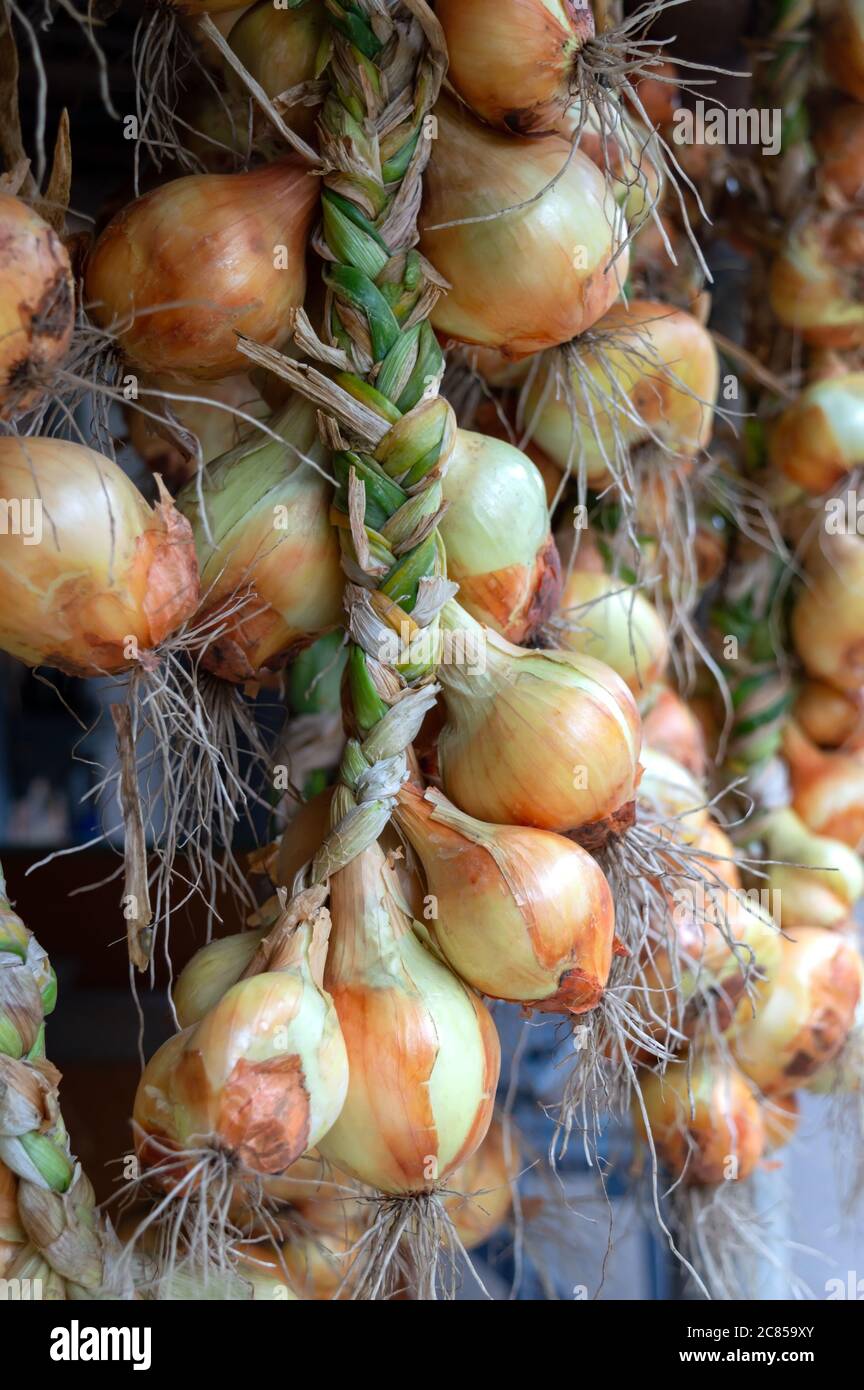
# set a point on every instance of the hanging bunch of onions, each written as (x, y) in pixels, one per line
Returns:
(808, 1015)
(828, 717)
(37, 305)
(821, 879)
(423, 1051)
(255, 1083)
(525, 275)
(827, 788)
(265, 532)
(280, 48)
(482, 1193)
(647, 374)
(520, 914)
(839, 143)
(843, 46)
(537, 738)
(820, 438)
(500, 549)
(706, 1122)
(93, 576)
(827, 627)
(669, 726)
(181, 271)
(615, 623)
(814, 280)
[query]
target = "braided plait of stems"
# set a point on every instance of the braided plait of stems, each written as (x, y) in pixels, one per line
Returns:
(65, 1243)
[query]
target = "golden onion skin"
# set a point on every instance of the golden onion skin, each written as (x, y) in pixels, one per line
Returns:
(37, 305)
(813, 283)
(706, 1122)
(820, 438)
(829, 717)
(827, 788)
(209, 244)
(603, 618)
(279, 48)
(670, 726)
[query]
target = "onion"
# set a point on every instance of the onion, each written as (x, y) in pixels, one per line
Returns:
(266, 1271)
(499, 548)
(173, 450)
(649, 375)
(210, 974)
(528, 279)
(514, 61)
(827, 716)
(807, 1016)
(520, 914)
(422, 1048)
(718, 861)
(843, 47)
(618, 148)
(540, 738)
(111, 577)
(268, 514)
(279, 48)
(37, 305)
(820, 438)
(613, 623)
(701, 1116)
(213, 247)
(839, 142)
(671, 798)
(814, 280)
(827, 628)
(259, 1080)
(827, 788)
(482, 1194)
(821, 880)
(780, 1116)
(317, 1264)
(670, 726)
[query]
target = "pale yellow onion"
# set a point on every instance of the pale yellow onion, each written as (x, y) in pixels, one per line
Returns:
(814, 280)
(652, 376)
(820, 438)
(279, 47)
(827, 788)
(500, 549)
(807, 1017)
(266, 1271)
(318, 1263)
(205, 424)
(111, 576)
(540, 738)
(515, 61)
(529, 279)
(670, 726)
(423, 1051)
(828, 618)
(482, 1189)
(37, 305)
(520, 914)
(618, 148)
(226, 250)
(211, 972)
(706, 1123)
(843, 46)
(827, 716)
(821, 879)
(670, 798)
(269, 535)
(717, 858)
(260, 1079)
(604, 618)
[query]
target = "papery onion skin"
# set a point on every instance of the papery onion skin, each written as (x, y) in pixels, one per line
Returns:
(813, 282)
(805, 1020)
(211, 972)
(212, 427)
(278, 47)
(820, 438)
(670, 726)
(544, 739)
(818, 881)
(514, 61)
(527, 280)
(827, 716)
(499, 547)
(828, 618)
(662, 360)
(603, 618)
(704, 1120)
(827, 788)
(524, 915)
(208, 244)
(423, 1051)
(482, 1196)
(37, 305)
(111, 576)
(672, 800)
(843, 47)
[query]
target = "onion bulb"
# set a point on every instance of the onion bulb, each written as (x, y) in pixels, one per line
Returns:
(530, 278)
(279, 48)
(839, 143)
(269, 537)
(318, 1263)
(204, 428)
(260, 1079)
(93, 576)
(814, 280)
(499, 547)
(649, 376)
(827, 628)
(614, 623)
(843, 46)
(780, 1116)
(821, 879)
(820, 438)
(670, 798)
(670, 726)
(540, 738)
(827, 788)
(37, 305)
(520, 914)
(211, 972)
(706, 1123)
(482, 1193)
(808, 1015)
(827, 716)
(225, 253)
(422, 1048)
(515, 61)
